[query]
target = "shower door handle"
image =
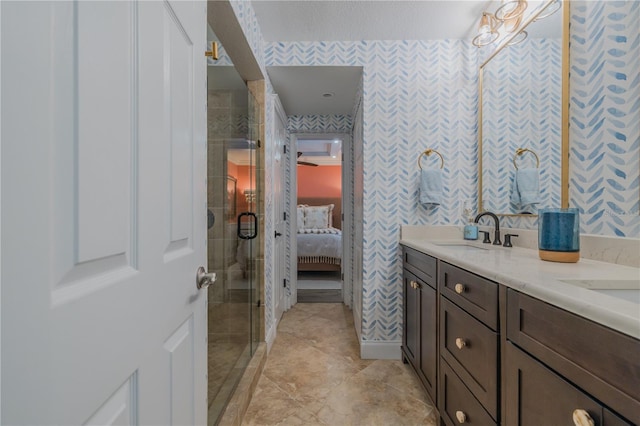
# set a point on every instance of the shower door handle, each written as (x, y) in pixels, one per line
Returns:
(253, 234)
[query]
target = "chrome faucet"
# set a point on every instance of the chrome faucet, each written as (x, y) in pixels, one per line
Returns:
(496, 221)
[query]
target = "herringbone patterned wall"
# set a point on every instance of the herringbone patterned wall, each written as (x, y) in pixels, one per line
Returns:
(521, 104)
(605, 116)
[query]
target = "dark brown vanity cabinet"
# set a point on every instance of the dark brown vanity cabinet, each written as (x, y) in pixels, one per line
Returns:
(419, 341)
(490, 355)
(577, 363)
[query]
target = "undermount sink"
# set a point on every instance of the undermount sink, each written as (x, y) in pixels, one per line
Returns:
(628, 290)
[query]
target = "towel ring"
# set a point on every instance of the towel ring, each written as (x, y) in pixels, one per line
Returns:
(428, 152)
(521, 151)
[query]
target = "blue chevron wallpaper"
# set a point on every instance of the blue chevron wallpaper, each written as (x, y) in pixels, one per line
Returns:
(319, 123)
(417, 94)
(522, 102)
(605, 116)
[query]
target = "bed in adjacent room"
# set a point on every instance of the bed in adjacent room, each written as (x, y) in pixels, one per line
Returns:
(319, 241)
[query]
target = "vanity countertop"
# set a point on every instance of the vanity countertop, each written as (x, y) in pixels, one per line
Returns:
(522, 270)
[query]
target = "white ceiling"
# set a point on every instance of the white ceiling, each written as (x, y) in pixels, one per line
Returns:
(301, 89)
(330, 20)
(321, 151)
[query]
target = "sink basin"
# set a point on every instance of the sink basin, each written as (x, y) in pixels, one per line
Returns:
(628, 290)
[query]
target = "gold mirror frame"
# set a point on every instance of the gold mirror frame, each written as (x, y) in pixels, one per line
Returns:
(564, 180)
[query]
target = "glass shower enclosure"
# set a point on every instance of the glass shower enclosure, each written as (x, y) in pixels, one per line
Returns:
(233, 323)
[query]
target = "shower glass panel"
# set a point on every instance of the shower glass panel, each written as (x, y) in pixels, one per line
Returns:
(231, 187)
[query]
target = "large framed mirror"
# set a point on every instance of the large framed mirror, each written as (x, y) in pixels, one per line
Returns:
(523, 118)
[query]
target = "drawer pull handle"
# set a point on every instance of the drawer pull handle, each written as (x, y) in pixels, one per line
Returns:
(459, 288)
(461, 416)
(460, 343)
(413, 284)
(582, 418)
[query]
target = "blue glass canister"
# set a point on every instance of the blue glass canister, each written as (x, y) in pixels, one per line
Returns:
(559, 235)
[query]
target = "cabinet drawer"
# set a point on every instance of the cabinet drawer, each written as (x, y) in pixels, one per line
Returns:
(538, 396)
(471, 349)
(424, 266)
(474, 294)
(603, 362)
(457, 401)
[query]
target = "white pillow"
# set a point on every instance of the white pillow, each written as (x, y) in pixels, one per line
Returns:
(318, 217)
(300, 210)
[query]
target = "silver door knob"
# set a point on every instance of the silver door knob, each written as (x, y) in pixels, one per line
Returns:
(204, 279)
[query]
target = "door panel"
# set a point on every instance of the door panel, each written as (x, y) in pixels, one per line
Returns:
(98, 154)
(179, 92)
(180, 346)
(119, 409)
(103, 168)
(87, 257)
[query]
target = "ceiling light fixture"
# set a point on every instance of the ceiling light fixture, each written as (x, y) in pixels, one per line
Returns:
(519, 38)
(551, 8)
(504, 22)
(487, 30)
(511, 24)
(510, 9)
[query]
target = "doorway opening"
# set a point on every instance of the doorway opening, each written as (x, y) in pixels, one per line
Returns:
(319, 211)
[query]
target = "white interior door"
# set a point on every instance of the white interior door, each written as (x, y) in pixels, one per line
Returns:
(280, 135)
(103, 212)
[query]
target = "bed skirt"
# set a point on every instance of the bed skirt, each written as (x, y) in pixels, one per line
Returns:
(319, 259)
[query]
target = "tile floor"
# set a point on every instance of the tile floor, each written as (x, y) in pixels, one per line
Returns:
(314, 376)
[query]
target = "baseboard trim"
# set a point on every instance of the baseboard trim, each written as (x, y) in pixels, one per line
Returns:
(357, 321)
(271, 336)
(380, 350)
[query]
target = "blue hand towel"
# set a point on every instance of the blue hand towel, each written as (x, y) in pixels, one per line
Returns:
(515, 195)
(431, 187)
(527, 181)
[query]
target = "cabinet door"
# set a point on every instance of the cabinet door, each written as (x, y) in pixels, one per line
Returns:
(537, 396)
(411, 318)
(602, 361)
(428, 341)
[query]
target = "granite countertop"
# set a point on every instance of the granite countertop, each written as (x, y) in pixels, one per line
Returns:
(522, 270)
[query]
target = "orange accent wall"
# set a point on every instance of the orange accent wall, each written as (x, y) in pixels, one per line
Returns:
(242, 174)
(321, 181)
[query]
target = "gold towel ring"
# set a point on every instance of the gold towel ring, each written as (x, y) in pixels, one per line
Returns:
(521, 151)
(428, 152)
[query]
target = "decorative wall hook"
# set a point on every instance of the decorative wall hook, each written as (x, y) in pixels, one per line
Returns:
(213, 53)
